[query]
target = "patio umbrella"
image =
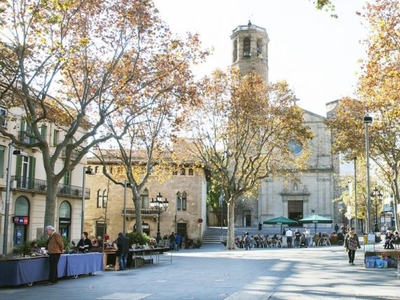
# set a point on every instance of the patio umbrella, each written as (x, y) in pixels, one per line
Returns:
(316, 219)
(280, 221)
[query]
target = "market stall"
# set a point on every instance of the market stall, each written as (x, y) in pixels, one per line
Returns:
(27, 270)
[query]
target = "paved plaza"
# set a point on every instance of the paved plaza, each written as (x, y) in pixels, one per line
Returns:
(212, 272)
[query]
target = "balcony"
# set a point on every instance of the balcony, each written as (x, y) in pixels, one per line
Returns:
(40, 186)
(74, 154)
(24, 137)
(143, 211)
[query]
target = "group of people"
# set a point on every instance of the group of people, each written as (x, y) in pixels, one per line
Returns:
(391, 238)
(258, 241)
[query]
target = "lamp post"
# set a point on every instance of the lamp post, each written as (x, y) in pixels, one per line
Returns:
(367, 121)
(378, 198)
(7, 206)
(159, 206)
(85, 171)
(8, 189)
(355, 195)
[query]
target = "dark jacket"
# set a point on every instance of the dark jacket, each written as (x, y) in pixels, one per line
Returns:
(123, 245)
(84, 245)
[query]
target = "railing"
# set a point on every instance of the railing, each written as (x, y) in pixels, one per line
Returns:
(74, 154)
(143, 211)
(39, 185)
(24, 137)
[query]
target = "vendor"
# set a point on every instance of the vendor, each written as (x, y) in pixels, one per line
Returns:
(35, 249)
(84, 244)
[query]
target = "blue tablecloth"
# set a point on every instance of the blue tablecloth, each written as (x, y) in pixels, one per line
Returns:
(29, 270)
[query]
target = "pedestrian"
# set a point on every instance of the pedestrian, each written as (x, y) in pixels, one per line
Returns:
(172, 241)
(55, 247)
(246, 241)
(178, 241)
(297, 236)
(122, 251)
(336, 228)
(289, 237)
(307, 235)
(351, 243)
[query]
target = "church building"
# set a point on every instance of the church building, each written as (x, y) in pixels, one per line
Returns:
(313, 190)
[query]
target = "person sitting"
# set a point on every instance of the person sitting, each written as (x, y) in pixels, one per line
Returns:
(84, 244)
(388, 240)
(35, 249)
(396, 238)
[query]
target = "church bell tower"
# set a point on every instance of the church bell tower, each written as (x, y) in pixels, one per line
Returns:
(250, 49)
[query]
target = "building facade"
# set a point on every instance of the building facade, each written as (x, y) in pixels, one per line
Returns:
(111, 210)
(313, 190)
(23, 188)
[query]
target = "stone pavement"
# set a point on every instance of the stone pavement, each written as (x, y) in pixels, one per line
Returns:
(212, 272)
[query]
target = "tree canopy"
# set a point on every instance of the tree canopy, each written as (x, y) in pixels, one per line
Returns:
(241, 132)
(84, 65)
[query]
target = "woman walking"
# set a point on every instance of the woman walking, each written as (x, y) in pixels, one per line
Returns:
(351, 243)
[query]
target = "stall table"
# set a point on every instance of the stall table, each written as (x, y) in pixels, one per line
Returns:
(28, 270)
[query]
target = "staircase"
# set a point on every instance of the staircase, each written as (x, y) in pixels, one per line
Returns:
(212, 235)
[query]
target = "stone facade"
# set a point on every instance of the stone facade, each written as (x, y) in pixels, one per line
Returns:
(181, 218)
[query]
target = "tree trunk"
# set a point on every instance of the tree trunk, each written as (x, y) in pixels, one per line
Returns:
(230, 242)
(50, 206)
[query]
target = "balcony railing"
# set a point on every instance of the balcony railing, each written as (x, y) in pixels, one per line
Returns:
(74, 154)
(24, 137)
(40, 186)
(143, 211)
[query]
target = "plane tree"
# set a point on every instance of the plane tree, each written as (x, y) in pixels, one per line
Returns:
(77, 64)
(241, 133)
(378, 96)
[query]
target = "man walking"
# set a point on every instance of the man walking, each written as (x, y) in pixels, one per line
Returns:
(123, 251)
(55, 247)
(289, 237)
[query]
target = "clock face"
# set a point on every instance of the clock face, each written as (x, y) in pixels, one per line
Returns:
(295, 147)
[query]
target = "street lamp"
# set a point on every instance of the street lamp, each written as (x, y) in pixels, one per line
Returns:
(355, 195)
(367, 121)
(159, 206)
(378, 198)
(8, 189)
(85, 171)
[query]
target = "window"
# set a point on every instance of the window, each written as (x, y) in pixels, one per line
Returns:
(181, 201)
(183, 171)
(65, 210)
(3, 115)
(56, 136)
(102, 198)
(145, 198)
(43, 131)
(190, 172)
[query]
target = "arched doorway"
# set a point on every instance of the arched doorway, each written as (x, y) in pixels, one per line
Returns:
(64, 223)
(21, 220)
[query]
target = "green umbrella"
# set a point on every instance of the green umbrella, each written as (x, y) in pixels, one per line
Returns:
(316, 219)
(280, 221)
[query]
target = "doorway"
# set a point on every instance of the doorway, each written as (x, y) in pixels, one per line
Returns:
(295, 210)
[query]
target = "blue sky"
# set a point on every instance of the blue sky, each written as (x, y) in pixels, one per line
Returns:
(316, 54)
